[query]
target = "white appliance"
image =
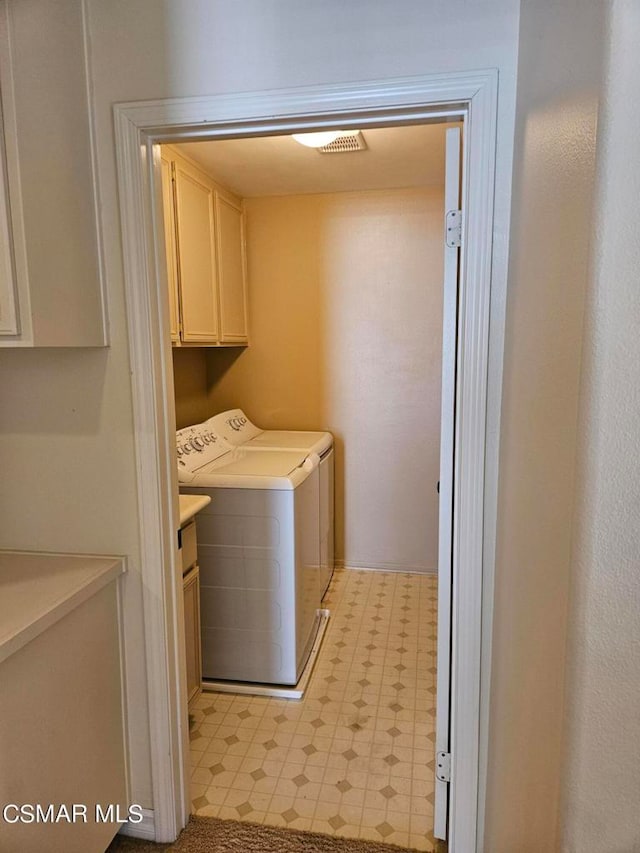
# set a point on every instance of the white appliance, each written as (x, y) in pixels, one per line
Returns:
(258, 544)
(236, 428)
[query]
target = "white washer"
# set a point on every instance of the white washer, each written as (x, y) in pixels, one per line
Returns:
(236, 428)
(258, 543)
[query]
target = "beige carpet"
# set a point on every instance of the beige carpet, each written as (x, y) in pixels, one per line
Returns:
(211, 835)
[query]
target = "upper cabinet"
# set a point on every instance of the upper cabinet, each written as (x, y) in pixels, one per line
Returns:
(170, 244)
(231, 269)
(51, 271)
(196, 255)
(204, 238)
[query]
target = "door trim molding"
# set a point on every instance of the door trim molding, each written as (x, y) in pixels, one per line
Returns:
(145, 829)
(138, 126)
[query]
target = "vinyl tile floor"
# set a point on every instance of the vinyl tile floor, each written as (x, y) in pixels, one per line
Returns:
(355, 756)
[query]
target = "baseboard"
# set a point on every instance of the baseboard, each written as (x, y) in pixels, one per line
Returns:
(145, 829)
(385, 567)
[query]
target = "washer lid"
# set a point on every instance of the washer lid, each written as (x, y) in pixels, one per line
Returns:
(274, 439)
(243, 469)
(234, 426)
(276, 463)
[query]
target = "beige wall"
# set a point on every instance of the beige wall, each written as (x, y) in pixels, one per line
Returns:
(346, 333)
(190, 384)
(66, 435)
(601, 772)
(558, 89)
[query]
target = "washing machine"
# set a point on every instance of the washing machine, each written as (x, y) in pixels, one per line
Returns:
(258, 544)
(235, 427)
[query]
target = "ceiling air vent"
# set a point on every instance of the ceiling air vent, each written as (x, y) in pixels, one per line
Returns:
(344, 144)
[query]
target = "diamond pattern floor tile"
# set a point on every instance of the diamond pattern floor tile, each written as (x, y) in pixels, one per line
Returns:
(354, 757)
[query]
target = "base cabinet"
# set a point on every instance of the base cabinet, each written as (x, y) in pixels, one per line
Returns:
(191, 589)
(191, 599)
(62, 733)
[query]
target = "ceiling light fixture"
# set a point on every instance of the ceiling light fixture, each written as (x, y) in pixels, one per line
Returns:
(317, 140)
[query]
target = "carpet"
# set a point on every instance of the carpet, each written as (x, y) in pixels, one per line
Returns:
(212, 835)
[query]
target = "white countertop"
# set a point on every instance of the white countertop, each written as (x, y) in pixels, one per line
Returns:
(190, 505)
(38, 589)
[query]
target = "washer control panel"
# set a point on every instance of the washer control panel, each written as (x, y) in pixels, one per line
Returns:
(196, 446)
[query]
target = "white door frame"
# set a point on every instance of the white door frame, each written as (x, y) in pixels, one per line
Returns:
(138, 126)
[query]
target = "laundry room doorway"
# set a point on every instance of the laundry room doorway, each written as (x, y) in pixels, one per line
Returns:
(469, 225)
(348, 282)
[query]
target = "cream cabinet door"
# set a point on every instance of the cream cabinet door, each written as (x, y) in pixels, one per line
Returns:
(52, 281)
(191, 588)
(170, 244)
(196, 255)
(231, 270)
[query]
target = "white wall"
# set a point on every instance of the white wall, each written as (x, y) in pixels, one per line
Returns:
(345, 314)
(557, 102)
(601, 773)
(66, 443)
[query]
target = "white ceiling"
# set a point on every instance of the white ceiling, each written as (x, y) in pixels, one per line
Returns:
(411, 156)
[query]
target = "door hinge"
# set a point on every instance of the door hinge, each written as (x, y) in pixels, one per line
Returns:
(443, 766)
(454, 229)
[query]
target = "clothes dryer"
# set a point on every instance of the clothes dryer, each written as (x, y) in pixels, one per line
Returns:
(235, 427)
(258, 543)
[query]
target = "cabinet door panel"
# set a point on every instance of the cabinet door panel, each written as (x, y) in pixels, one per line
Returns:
(191, 587)
(231, 272)
(196, 256)
(170, 245)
